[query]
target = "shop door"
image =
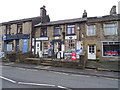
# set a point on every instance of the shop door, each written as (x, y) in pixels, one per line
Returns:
(37, 47)
(91, 52)
(25, 46)
(57, 47)
(17, 45)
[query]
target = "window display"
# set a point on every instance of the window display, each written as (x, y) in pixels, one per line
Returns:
(111, 48)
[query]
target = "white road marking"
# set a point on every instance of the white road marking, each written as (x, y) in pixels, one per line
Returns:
(8, 79)
(10, 63)
(31, 70)
(36, 84)
(62, 87)
(76, 75)
(61, 73)
(38, 67)
(47, 67)
(112, 79)
(21, 68)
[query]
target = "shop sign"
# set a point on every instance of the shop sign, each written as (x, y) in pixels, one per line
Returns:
(2, 54)
(57, 37)
(4, 37)
(71, 37)
(17, 36)
(42, 38)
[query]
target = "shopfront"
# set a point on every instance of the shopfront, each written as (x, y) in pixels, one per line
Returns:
(111, 49)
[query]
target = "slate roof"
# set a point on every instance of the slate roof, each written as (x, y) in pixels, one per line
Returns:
(104, 18)
(21, 20)
(78, 20)
(67, 21)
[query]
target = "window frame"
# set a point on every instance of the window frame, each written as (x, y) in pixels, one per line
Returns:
(115, 32)
(8, 29)
(70, 26)
(56, 28)
(108, 44)
(42, 32)
(19, 28)
(93, 30)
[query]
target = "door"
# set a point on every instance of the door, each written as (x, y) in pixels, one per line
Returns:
(25, 46)
(91, 52)
(37, 47)
(17, 45)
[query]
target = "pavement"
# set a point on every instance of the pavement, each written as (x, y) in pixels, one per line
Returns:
(90, 72)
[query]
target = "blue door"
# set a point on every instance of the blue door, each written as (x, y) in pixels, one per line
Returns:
(25, 45)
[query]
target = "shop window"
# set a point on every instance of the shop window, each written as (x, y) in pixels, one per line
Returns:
(91, 30)
(43, 32)
(111, 48)
(19, 28)
(70, 45)
(110, 29)
(57, 31)
(70, 29)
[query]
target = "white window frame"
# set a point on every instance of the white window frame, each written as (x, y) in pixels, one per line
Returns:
(102, 48)
(91, 30)
(115, 32)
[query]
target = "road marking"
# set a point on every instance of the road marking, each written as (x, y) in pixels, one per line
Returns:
(112, 79)
(25, 83)
(38, 67)
(61, 73)
(21, 68)
(47, 67)
(10, 63)
(31, 70)
(76, 75)
(8, 79)
(63, 87)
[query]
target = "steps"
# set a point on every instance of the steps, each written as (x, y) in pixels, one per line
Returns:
(47, 62)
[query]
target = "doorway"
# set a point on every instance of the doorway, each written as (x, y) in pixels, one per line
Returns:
(91, 51)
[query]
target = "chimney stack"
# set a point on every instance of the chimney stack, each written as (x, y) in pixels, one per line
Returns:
(42, 11)
(113, 10)
(84, 14)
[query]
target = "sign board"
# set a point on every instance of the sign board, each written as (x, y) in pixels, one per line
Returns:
(71, 37)
(4, 37)
(42, 38)
(2, 54)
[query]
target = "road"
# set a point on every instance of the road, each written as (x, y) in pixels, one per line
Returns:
(31, 78)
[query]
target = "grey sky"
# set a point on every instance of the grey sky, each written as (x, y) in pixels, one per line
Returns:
(57, 9)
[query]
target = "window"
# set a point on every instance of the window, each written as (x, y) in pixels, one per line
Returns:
(43, 32)
(111, 48)
(8, 29)
(110, 29)
(19, 28)
(91, 30)
(70, 45)
(70, 29)
(57, 31)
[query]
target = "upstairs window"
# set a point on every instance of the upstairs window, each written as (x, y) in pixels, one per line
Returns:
(70, 29)
(19, 29)
(110, 29)
(91, 30)
(8, 29)
(57, 31)
(43, 32)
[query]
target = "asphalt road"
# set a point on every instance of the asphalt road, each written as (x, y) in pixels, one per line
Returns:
(31, 78)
